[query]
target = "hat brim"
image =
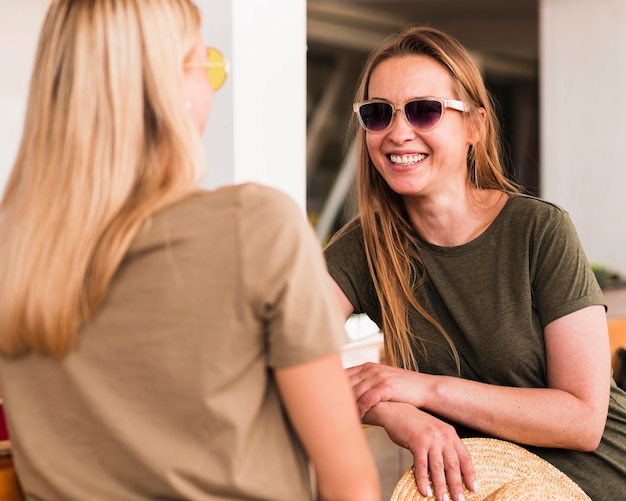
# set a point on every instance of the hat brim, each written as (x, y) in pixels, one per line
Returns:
(506, 472)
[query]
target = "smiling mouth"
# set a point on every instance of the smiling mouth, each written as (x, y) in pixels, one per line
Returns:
(407, 159)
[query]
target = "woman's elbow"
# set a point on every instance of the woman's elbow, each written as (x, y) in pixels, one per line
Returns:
(590, 440)
(588, 437)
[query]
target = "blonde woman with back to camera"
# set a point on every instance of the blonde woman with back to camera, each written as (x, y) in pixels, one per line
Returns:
(159, 341)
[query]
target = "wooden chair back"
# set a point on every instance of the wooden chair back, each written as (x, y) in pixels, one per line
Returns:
(617, 340)
(10, 489)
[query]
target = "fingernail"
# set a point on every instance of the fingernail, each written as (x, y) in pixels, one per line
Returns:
(429, 492)
(446, 497)
(475, 486)
(461, 497)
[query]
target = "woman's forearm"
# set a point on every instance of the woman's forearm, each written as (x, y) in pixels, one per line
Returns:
(320, 404)
(543, 417)
(570, 413)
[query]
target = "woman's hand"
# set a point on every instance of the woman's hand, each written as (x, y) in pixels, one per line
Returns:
(375, 383)
(441, 460)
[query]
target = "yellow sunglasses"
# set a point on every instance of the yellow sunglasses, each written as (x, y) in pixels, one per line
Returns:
(216, 67)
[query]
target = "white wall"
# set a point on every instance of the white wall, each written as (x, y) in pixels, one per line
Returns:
(583, 120)
(258, 136)
(19, 29)
(257, 130)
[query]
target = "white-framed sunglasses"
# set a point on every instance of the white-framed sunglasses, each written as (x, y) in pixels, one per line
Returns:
(422, 114)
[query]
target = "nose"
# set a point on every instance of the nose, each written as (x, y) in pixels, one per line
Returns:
(400, 130)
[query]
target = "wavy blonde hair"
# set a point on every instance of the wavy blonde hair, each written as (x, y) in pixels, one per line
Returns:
(390, 244)
(107, 141)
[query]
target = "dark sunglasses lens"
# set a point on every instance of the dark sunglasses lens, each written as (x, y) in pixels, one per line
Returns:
(376, 116)
(423, 114)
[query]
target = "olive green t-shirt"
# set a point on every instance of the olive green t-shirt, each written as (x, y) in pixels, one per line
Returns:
(170, 394)
(493, 296)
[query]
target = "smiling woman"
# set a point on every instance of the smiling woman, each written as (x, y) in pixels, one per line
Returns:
(487, 303)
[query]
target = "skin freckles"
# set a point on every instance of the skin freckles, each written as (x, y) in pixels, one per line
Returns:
(419, 252)
(441, 152)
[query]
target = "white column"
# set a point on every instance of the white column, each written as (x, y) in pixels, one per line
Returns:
(257, 129)
(583, 120)
(20, 23)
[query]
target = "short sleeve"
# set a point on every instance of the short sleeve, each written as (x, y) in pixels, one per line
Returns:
(563, 281)
(284, 276)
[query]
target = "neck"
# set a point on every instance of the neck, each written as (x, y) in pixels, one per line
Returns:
(455, 219)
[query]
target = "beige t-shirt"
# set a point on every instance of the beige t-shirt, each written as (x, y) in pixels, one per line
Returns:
(170, 394)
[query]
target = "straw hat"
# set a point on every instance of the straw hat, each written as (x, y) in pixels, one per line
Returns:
(506, 472)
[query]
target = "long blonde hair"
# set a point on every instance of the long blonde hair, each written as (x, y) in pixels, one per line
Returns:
(390, 244)
(107, 141)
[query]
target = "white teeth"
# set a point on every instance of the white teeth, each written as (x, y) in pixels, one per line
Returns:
(407, 159)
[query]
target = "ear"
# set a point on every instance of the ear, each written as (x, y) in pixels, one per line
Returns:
(476, 126)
